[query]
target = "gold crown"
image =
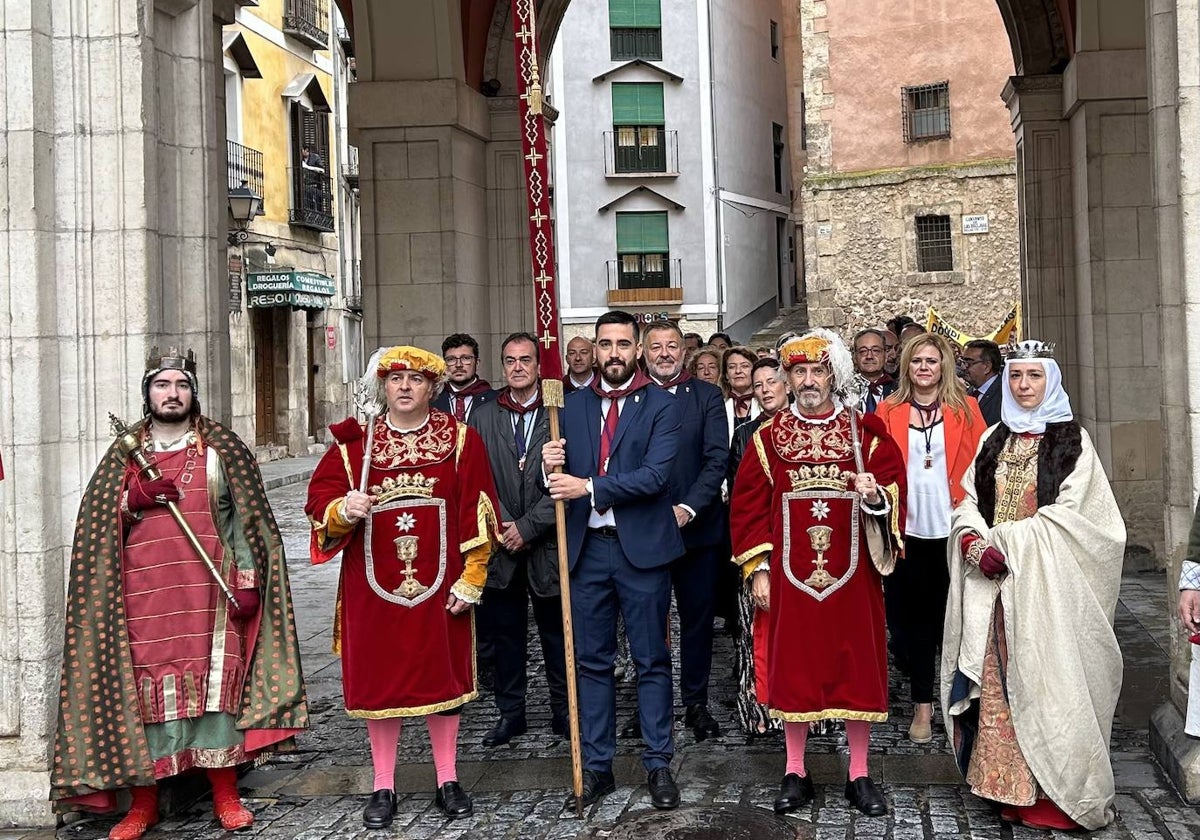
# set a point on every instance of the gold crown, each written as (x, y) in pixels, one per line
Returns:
(406, 485)
(820, 477)
(171, 360)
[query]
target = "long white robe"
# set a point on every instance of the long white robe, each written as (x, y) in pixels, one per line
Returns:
(1064, 666)
(1189, 578)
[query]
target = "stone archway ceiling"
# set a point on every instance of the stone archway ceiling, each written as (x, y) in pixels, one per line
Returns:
(1041, 33)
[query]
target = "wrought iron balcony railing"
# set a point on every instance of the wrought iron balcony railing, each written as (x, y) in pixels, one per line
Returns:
(312, 198)
(245, 168)
(641, 152)
(307, 21)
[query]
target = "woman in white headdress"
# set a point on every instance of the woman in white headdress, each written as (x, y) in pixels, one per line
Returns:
(1031, 670)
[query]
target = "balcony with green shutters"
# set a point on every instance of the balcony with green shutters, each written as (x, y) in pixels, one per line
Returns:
(639, 145)
(635, 27)
(644, 272)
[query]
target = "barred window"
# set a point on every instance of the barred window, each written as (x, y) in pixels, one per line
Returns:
(926, 111)
(935, 251)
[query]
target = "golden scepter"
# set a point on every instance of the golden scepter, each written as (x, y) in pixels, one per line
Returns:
(131, 447)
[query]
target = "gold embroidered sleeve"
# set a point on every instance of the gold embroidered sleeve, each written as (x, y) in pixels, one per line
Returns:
(333, 526)
(469, 587)
(752, 559)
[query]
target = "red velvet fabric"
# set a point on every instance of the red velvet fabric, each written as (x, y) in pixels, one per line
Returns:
(405, 658)
(825, 648)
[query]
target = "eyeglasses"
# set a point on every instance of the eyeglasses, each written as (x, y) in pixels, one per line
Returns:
(459, 360)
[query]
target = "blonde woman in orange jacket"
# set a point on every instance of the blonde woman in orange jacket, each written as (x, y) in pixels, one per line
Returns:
(937, 427)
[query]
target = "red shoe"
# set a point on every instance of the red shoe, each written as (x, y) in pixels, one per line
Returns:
(1047, 816)
(141, 816)
(232, 814)
(1010, 814)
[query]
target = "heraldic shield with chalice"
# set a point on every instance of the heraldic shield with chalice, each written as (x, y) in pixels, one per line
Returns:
(820, 531)
(406, 541)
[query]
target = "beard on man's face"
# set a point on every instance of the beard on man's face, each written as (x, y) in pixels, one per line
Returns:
(616, 370)
(811, 398)
(171, 411)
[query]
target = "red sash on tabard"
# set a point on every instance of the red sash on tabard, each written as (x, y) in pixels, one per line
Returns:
(187, 655)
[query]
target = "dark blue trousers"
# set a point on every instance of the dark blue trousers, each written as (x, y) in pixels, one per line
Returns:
(694, 576)
(602, 582)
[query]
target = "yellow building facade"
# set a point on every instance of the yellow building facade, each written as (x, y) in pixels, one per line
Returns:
(293, 285)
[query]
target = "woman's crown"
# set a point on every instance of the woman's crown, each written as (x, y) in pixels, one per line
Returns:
(1030, 350)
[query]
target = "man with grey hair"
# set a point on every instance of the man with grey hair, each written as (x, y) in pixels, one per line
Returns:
(816, 521)
(870, 353)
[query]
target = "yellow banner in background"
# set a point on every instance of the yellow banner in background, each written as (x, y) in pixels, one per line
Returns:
(1009, 329)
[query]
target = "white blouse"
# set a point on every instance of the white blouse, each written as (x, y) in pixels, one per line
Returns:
(928, 514)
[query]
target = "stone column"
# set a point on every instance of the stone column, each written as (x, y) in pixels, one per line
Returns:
(423, 181)
(109, 239)
(1173, 44)
(1119, 391)
(1047, 220)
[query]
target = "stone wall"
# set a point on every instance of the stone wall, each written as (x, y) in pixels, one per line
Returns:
(860, 246)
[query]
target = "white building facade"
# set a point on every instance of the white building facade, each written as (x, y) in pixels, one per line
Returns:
(672, 183)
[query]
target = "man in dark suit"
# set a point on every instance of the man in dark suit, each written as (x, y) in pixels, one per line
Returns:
(981, 363)
(621, 436)
(465, 389)
(695, 486)
(870, 353)
(524, 566)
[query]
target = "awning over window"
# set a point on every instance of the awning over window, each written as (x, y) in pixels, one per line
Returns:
(297, 289)
(233, 44)
(642, 233)
(306, 83)
(638, 103)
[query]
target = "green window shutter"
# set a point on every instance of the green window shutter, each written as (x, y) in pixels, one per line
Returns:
(642, 233)
(634, 14)
(638, 103)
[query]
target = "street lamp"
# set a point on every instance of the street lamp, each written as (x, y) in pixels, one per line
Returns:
(244, 205)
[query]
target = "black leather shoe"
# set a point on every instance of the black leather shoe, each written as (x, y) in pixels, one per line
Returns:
(632, 728)
(795, 791)
(454, 801)
(596, 784)
(559, 725)
(701, 722)
(380, 810)
(504, 731)
(866, 797)
(664, 793)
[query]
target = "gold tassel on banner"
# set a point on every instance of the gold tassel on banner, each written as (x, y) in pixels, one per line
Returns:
(535, 87)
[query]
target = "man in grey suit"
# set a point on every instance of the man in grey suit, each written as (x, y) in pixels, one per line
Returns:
(524, 567)
(981, 363)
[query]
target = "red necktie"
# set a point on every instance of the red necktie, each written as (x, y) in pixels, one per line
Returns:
(742, 404)
(607, 434)
(460, 409)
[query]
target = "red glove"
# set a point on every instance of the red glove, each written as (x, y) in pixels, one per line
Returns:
(992, 563)
(248, 602)
(145, 493)
(1194, 638)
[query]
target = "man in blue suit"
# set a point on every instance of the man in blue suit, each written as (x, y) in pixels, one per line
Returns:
(621, 437)
(695, 487)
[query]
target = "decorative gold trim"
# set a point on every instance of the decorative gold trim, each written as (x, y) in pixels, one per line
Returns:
(975, 552)
(460, 443)
(820, 477)
(761, 449)
(874, 446)
(467, 592)
(828, 714)
(893, 492)
(753, 553)
(414, 711)
(484, 513)
(404, 486)
(346, 463)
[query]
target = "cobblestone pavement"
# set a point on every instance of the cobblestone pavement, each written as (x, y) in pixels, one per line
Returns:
(318, 792)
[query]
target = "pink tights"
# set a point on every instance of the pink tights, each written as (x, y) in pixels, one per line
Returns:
(384, 735)
(858, 734)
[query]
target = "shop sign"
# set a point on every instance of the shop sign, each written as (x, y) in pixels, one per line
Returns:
(298, 289)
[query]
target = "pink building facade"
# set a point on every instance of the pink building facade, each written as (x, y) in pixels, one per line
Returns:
(908, 192)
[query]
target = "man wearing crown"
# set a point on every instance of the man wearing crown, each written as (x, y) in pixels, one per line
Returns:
(1031, 670)
(161, 672)
(415, 522)
(816, 518)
